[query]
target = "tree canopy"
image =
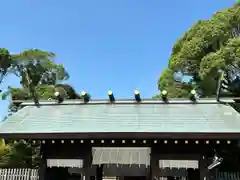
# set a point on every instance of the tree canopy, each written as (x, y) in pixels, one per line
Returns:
(197, 57)
(36, 69)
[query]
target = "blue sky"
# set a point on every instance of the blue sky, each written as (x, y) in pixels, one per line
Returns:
(120, 45)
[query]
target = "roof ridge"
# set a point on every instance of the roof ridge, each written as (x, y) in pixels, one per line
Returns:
(125, 101)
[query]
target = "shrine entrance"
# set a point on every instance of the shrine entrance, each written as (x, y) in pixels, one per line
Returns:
(135, 178)
(192, 174)
(178, 169)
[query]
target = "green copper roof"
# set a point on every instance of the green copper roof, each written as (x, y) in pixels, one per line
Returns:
(120, 117)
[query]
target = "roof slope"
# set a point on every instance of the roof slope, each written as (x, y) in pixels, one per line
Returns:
(190, 118)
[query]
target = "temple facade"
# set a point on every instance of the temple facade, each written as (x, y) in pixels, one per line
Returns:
(127, 139)
(123, 158)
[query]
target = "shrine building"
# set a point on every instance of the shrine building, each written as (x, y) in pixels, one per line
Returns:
(135, 138)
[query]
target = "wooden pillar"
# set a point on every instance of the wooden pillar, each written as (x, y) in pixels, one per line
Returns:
(203, 168)
(42, 165)
(87, 163)
(99, 172)
(150, 175)
(154, 165)
(42, 170)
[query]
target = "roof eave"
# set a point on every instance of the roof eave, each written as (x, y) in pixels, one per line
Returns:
(124, 135)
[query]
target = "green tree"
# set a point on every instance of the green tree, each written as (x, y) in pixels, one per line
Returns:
(5, 63)
(36, 69)
(41, 66)
(207, 47)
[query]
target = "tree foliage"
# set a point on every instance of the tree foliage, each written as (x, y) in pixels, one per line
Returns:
(43, 70)
(20, 154)
(207, 47)
(35, 68)
(5, 63)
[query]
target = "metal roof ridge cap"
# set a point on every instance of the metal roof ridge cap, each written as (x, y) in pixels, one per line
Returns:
(125, 101)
